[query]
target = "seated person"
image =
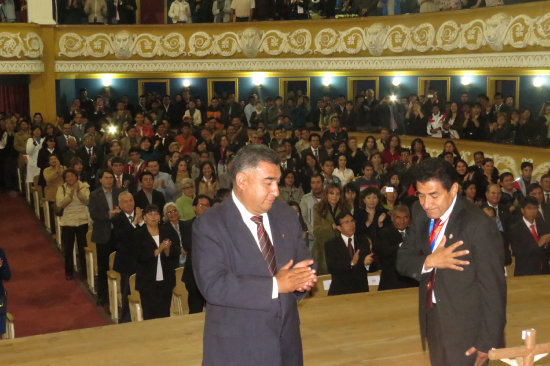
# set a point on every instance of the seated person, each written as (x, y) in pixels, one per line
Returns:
(348, 258)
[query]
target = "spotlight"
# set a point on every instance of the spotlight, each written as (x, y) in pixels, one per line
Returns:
(107, 79)
(258, 78)
(327, 81)
(466, 80)
(538, 82)
(393, 98)
(186, 83)
(396, 81)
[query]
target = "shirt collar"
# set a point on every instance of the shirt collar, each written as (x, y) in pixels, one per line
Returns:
(529, 224)
(447, 213)
(245, 214)
(348, 237)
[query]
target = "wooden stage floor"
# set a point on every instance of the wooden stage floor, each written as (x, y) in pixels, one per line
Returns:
(361, 329)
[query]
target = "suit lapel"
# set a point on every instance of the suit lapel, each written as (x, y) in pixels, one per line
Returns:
(454, 219)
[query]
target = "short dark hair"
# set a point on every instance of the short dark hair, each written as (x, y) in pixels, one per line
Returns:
(144, 174)
(531, 187)
(311, 135)
(340, 216)
(117, 160)
(506, 174)
(150, 208)
(317, 175)
(251, 156)
(525, 164)
(528, 200)
(103, 171)
(436, 169)
(487, 160)
(133, 150)
(67, 171)
(201, 197)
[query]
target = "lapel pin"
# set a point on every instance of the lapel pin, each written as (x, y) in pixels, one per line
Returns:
(283, 236)
(450, 236)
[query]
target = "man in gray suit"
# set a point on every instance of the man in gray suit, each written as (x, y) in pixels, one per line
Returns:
(103, 207)
(251, 266)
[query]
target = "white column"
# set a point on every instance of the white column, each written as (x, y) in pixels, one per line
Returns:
(40, 12)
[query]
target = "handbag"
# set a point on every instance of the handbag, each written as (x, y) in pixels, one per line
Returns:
(3, 304)
(58, 211)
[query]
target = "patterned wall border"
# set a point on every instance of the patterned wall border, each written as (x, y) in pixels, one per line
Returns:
(21, 67)
(498, 31)
(17, 45)
(468, 61)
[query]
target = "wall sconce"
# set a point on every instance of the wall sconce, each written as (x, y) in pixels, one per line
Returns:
(466, 80)
(258, 78)
(327, 81)
(107, 80)
(396, 81)
(538, 82)
(186, 83)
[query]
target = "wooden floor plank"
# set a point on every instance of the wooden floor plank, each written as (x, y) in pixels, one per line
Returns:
(361, 329)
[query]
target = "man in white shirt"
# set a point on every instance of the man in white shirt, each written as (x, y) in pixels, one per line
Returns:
(545, 184)
(435, 122)
(180, 12)
(455, 251)
(251, 266)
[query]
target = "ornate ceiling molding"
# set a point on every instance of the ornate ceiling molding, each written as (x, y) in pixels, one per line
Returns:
(498, 31)
(468, 61)
(21, 67)
(15, 45)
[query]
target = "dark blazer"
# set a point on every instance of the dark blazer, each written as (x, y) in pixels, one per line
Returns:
(544, 223)
(123, 235)
(146, 262)
(471, 302)
(530, 258)
(99, 212)
(507, 219)
(187, 244)
(244, 325)
(323, 154)
(128, 182)
(347, 279)
(141, 199)
(385, 247)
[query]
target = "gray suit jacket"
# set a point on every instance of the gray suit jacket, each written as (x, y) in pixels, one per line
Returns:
(244, 325)
(99, 212)
(471, 304)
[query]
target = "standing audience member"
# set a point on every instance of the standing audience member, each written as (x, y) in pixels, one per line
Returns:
(195, 300)
(530, 242)
(72, 199)
(349, 258)
(307, 205)
(387, 243)
(157, 251)
(5, 275)
(34, 144)
(103, 206)
(324, 225)
(96, 10)
(185, 202)
(289, 190)
(148, 195)
(180, 12)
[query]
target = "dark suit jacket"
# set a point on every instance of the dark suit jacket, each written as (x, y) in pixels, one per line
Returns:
(471, 302)
(544, 223)
(347, 279)
(386, 245)
(123, 237)
(530, 258)
(506, 218)
(244, 325)
(99, 212)
(323, 154)
(146, 261)
(141, 199)
(128, 183)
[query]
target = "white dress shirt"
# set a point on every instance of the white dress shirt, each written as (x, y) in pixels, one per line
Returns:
(253, 227)
(444, 219)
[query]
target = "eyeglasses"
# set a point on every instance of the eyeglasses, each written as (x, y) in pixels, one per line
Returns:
(171, 212)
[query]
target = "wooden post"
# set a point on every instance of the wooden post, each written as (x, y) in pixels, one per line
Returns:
(525, 356)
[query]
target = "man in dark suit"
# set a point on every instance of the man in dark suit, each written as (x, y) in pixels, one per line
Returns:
(285, 163)
(124, 181)
(503, 217)
(315, 148)
(530, 241)
(252, 266)
(232, 109)
(455, 251)
(124, 224)
(195, 300)
(63, 139)
(147, 195)
(103, 207)
(388, 240)
(543, 215)
(92, 160)
(349, 258)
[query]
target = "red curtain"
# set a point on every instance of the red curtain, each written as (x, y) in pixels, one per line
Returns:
(14, 99)
(152, 12)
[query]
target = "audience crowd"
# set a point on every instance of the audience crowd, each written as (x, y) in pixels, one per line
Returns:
(140, 173)
(223, 11)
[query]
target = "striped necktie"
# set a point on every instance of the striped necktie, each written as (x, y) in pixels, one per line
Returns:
(268, 252)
